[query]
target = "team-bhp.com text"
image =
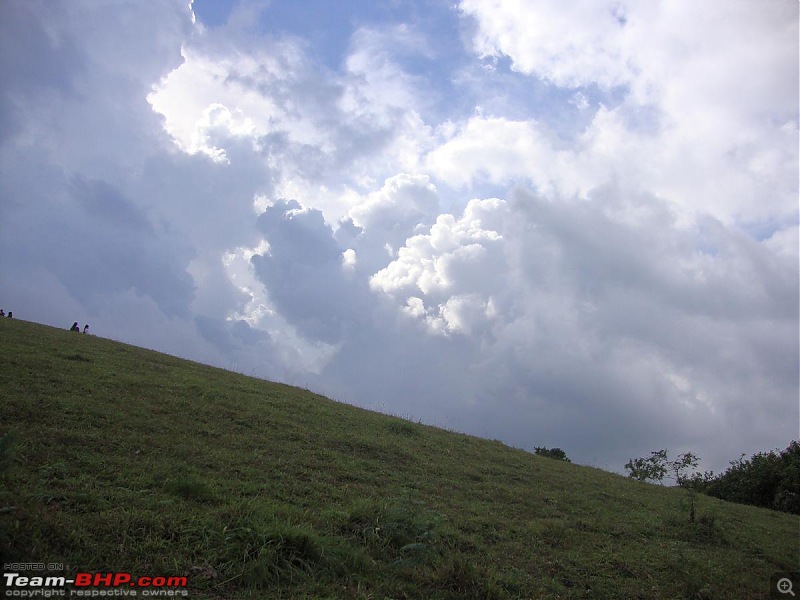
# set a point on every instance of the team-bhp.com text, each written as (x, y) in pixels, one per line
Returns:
(93, 585)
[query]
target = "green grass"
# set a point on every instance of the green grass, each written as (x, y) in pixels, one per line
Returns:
(118, 458)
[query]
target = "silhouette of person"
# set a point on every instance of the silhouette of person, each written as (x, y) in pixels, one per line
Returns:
(2, 313)
(86, 328)
(10, 315)
(75, 327)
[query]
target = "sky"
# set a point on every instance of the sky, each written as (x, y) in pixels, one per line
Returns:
(553, 224)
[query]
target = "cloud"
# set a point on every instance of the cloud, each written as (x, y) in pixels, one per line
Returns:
(379, 223)
(577, 45)
(709, 142)
(494, 148)
(404, 202)
(302, 271)
(580, 320)
(578, 230)
(447, 276)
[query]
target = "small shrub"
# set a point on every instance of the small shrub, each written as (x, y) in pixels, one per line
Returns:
(259, 550)
(704, 530)
(263, 557)
(78, 358)
(403, 428)
(402, 531)
(707, 530)
(555, 453)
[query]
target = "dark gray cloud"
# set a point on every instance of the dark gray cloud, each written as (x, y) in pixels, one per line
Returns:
(303, 273)
(32, 61)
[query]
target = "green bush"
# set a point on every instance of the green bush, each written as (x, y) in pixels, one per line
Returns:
(768, 479)
(556, 453)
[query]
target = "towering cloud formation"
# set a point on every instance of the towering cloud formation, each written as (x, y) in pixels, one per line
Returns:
(570, 226)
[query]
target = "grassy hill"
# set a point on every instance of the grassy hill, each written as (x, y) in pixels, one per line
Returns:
(123, 459)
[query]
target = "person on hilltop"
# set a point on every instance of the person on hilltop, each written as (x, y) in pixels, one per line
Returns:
(10, 315)
(75, 327)
(2, 313)
(86, 328)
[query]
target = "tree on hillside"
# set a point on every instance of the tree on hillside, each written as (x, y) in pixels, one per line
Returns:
(681, 465)
(556, 453)
(768, 479)
(656, 466)
(652, 468)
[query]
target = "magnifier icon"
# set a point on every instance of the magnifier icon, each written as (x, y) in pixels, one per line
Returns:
(785, 586)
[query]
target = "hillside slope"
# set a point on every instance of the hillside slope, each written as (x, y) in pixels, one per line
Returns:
(124, 459)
